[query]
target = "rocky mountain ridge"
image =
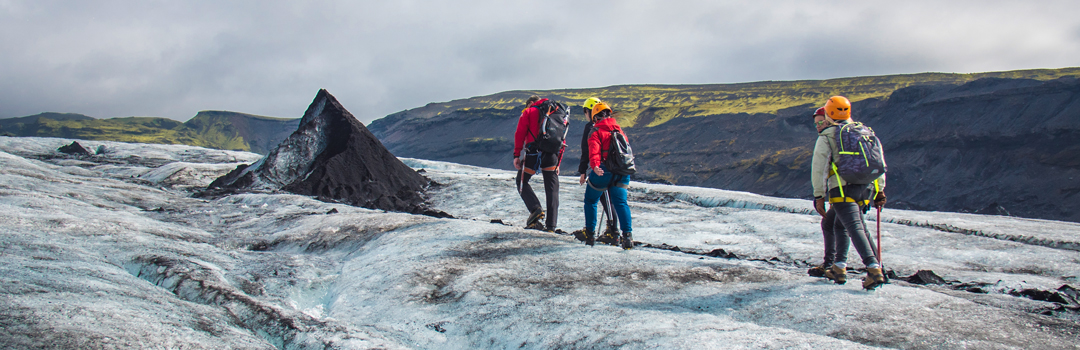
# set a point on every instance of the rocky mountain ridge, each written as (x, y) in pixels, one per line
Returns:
(653, 105)
(217, 129)
(993, 145)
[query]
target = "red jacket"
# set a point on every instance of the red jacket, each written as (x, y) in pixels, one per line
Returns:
(528, 127)
(600, 141)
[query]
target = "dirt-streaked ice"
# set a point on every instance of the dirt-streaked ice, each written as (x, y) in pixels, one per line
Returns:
(111, 251)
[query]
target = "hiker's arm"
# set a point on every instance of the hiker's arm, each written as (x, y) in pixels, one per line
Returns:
(879, 197)
(880, 200)
(819, 166)
(594, 151)
(583, 164)
(519, 134)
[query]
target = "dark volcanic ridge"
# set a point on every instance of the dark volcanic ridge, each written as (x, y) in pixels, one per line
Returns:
(332, 157)
(990, 146)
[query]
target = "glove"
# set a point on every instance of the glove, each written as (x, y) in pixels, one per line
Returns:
(879, 201)
(819, 205)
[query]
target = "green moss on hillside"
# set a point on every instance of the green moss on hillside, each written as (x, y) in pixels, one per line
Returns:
(652, 105)
(131, 129)
(215, 129)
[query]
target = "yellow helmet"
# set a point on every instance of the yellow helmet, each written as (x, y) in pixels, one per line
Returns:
(590, 102)
(588, 105)
(600, 107)
(838, 108)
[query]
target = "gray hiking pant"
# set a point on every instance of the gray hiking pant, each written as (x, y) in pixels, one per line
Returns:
(850, 226)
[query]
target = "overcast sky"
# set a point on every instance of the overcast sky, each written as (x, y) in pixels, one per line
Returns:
(174, 58)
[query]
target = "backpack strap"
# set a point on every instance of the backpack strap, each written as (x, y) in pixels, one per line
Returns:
(839, 180)
(537, 121)
(535, 138)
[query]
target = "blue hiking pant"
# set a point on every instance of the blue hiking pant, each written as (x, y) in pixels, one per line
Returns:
(615, 185)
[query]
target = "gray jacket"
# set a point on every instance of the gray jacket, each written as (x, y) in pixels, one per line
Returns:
(821, 174)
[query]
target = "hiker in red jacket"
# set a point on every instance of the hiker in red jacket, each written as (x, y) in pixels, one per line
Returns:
(528, 160)
(601, 180)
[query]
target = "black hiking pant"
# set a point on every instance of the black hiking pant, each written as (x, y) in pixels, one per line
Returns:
(540, 162)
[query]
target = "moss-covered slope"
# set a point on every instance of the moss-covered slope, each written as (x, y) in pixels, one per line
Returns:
(652, 105)
(990, 143)
(216, 129)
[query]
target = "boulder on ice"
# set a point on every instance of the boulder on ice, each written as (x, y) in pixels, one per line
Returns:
(333, 157)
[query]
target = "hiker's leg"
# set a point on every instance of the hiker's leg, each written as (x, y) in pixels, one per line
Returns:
(592, 195)
(850, 216)
(605, 200)
(841, 241)
(526, 191)
(830, 237)
(551, 193)
(618, 194)
(530, 166)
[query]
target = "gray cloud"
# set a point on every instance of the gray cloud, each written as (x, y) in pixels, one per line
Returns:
(172, 59)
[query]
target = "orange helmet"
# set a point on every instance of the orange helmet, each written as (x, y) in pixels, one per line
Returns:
(838, 108)
(599, 107)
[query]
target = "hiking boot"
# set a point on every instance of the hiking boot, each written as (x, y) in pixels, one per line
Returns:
(837, 274)
(818, 271)
(536, 220)
(610, 236)
(627, 241)
(579, 234)
(590, 237)
(873, 279)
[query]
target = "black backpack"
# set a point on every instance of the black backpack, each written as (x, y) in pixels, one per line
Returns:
(554, 124)
(861, 159)
(620, 159)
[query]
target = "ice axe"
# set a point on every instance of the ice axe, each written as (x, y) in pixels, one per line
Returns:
(520, 176)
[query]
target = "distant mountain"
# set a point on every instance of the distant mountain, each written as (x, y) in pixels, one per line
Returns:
(240, 131)
(217, 129)
(26, 126)
(998, 143)
(652, 105)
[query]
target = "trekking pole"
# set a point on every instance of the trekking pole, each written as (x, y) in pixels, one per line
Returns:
(879, 238)
(602, 217)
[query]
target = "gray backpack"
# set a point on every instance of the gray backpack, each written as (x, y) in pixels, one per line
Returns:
(861, 159)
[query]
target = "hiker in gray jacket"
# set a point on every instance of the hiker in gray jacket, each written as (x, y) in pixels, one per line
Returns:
(849, 224)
